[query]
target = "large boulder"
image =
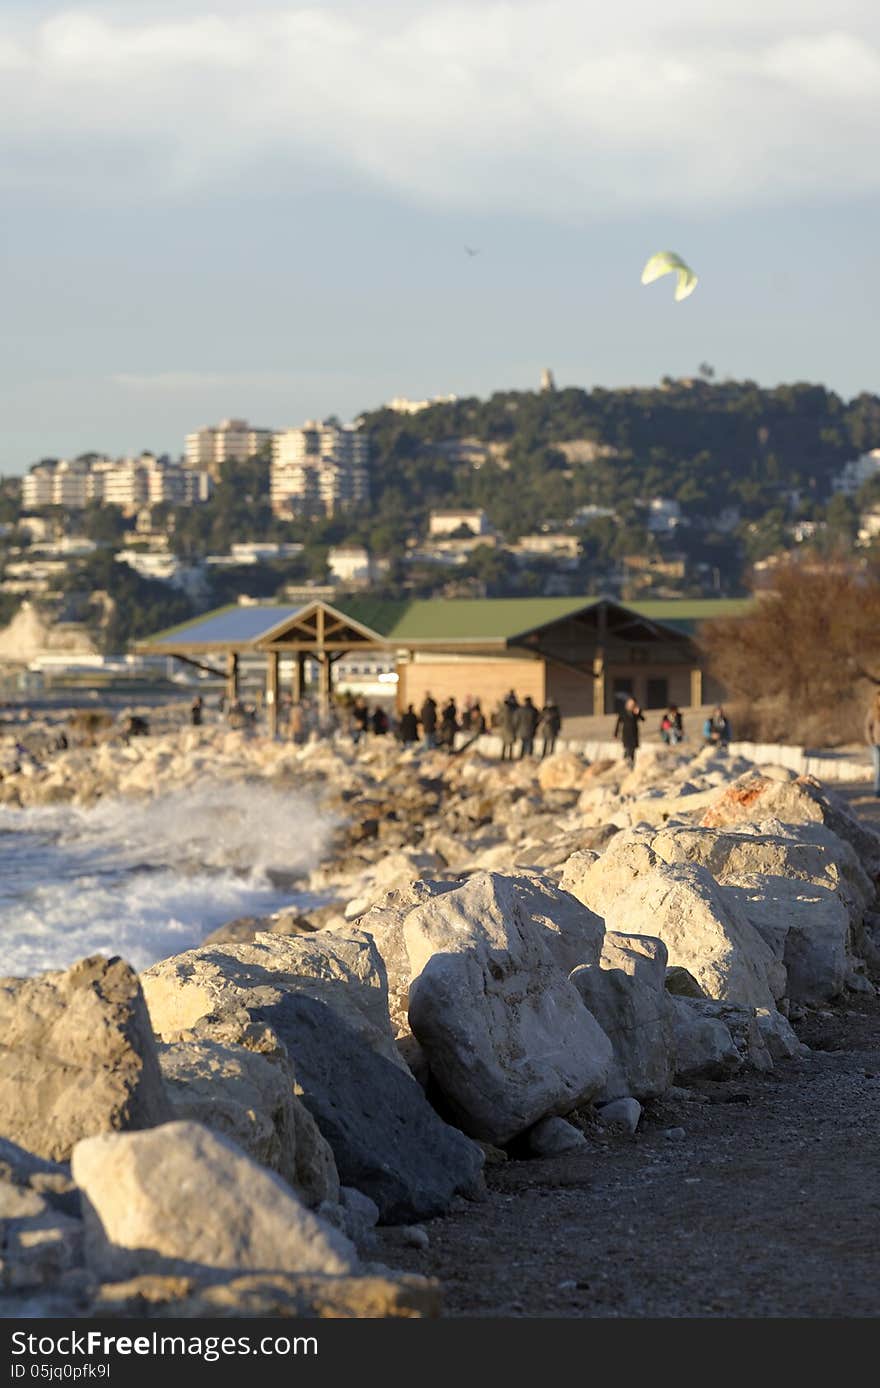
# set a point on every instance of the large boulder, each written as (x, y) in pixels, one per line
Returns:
(386, 1138)
(507, 1036)
(715, 1039)
(180, 1198)
(809, 853)
(806, 926)
(383, 922)
(571, 932)
(801, 887)
(805, 800)
(701, 1046)
(77, 1057)
(249, 1097)
(626, 993)
(343, 970)
(704, 931)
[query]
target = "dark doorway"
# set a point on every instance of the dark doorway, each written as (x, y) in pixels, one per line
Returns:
(623, 687)
(657, 693)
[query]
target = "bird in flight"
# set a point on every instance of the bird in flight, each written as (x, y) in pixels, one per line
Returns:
(471, 251)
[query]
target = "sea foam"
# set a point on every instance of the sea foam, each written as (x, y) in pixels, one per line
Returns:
(148, 878)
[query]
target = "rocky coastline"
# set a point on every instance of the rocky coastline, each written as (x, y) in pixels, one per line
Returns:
(509, 958)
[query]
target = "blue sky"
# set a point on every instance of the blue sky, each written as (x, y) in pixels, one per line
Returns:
(214, 209)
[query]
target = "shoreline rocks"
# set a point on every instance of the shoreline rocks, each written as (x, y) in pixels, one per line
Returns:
(512, 959)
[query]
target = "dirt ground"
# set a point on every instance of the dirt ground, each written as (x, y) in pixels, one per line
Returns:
(767, 1204)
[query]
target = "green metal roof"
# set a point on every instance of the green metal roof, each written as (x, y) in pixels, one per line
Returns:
(437, 620)
(480, 619)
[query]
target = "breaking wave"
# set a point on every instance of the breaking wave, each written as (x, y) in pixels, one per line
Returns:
(149, 878)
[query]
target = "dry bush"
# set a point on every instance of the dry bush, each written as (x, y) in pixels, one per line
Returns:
(801, 665)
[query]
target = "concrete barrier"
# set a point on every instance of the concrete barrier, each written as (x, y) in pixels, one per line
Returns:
(825, 766)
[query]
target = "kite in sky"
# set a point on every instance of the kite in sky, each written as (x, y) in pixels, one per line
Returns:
(663, 263)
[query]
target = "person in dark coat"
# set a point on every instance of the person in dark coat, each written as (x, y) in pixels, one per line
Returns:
(525, 726)
(505, 723)
(449, 724)
(549, 727)
(408, 731)
(360, 720)
(428, 720)
(379, 722)
(195, 711)
(627, 728)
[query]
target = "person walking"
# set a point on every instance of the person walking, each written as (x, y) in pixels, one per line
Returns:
(195, 711)
(448, 725)
(549, 727)
(716, 729)
(408, 729)
(527, 719)
(672, 726)
(627, 729)
(360, 719)
(428, 720)
(379, 722)
(507, 728)
(872, 737)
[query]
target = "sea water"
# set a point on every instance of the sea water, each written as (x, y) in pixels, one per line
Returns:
(148, 878)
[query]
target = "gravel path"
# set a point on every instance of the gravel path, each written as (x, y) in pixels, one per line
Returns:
(768, 1204)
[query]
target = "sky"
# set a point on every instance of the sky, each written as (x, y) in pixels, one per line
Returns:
(261, 210)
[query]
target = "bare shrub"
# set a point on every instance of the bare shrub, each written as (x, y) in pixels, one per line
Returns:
(801, 665)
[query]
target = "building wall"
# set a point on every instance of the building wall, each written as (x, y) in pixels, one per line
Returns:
(573, 692)
(486, 677)
(489, 677)
(677, 679)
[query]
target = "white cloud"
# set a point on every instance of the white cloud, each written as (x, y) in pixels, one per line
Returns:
(539, 106)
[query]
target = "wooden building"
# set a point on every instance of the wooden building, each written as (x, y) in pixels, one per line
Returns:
(586, 653)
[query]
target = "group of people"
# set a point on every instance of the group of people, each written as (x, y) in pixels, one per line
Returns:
(526, 724)
(716, 728)
(518, 724)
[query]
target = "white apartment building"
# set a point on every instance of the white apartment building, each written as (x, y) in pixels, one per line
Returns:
(71, 483)
(319, 470)
(233, 439)
(128, 483)
(447, 522)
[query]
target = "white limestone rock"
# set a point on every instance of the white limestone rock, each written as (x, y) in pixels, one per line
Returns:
(181, 1198)
(343, 971)
(626, 994)
(506, 1034)
(682, 904)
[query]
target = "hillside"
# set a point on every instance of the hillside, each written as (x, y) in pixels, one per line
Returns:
(532, 459)
(662, 492)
